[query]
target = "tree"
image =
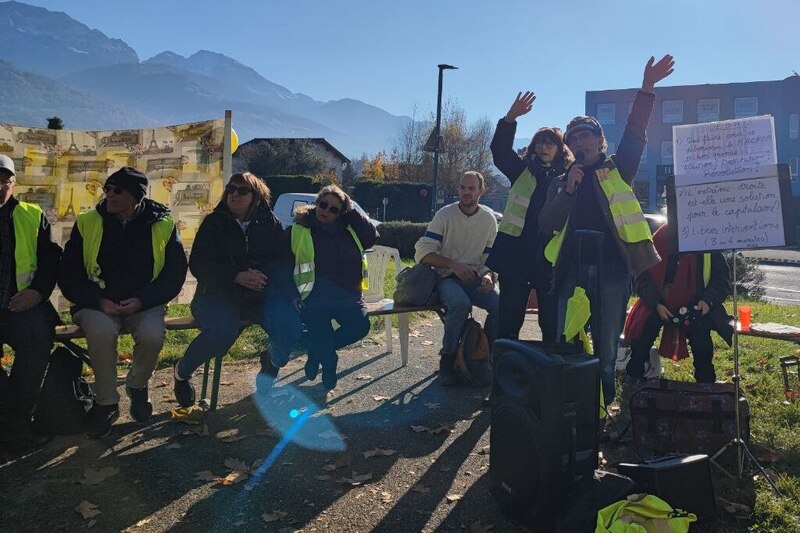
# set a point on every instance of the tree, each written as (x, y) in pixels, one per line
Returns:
(373, 169)
(750, 279)
(55, 123)
(348, 175)
(274, 157)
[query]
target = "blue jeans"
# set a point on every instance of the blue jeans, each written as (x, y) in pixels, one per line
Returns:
(458, 298)
(607, 318)
(219, 319)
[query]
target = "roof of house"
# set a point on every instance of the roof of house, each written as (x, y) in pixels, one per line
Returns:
(316, 140)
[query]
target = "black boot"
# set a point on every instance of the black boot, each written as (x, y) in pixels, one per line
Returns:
(447, 372)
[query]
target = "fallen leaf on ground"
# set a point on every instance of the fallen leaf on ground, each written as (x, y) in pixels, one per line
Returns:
(443, 428)
(273, 516)
(427, 343)
(454, 497)
(378, 452)
(433, 405)
(95, 477)
(414, 333)
(356, 480)
(188, 415)
(420, 429)
(480, 527)
(87, 510)
(380, 398)
(230, 435)
(386, 497)
(237, 464)
(234, 477)
(161, 385)
(205, 475)
(422, 489)
(363, 377)
(225, 383)
(339, 462)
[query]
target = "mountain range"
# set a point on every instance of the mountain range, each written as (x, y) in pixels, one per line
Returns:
(52, 64)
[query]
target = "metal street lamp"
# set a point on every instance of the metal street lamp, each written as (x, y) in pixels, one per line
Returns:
(437, 134)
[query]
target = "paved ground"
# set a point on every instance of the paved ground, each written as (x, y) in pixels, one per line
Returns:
(776, 255)
(166, 475)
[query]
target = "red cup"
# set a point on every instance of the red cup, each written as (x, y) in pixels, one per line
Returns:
(744, 317)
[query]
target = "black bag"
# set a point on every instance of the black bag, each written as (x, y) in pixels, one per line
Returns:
(472, 362)
(415, 285)
(65, 396)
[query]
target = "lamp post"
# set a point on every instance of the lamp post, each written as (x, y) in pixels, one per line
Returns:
(438, 139)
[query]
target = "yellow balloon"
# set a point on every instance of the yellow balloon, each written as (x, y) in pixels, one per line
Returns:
(234, 140)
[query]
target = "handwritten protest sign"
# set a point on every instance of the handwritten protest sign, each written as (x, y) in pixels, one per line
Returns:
(729, 149)
(727, 189)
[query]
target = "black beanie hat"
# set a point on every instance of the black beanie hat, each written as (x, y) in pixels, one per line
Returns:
(583, 123)
(130, 179)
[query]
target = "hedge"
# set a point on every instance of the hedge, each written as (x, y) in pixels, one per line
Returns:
(407, 201)
(402, 235)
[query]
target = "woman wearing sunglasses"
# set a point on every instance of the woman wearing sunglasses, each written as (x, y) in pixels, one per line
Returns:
(518, 251)
(328, 241)
(235, 251)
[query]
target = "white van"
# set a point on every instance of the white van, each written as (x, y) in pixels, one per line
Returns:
(288, 202)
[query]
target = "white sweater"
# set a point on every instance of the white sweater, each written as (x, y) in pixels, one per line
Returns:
(456, 236)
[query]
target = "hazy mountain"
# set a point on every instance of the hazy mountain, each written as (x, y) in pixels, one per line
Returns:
(52, 43)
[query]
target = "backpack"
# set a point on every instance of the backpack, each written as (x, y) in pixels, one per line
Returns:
(65, 397)
(472, 363)
(415, 285)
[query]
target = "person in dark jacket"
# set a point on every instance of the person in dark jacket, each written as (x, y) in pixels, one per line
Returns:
(328, 241)
(518, 250)
(28, 268)
(234, 255)
(596, 195)
(690, 287)
(123, 262)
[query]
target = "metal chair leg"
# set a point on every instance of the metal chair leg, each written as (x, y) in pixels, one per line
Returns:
(215, 382)
(205, 381)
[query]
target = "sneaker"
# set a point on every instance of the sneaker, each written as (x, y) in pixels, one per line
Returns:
(447, 374)
(183, 388)
(99, 420)
(141, 407)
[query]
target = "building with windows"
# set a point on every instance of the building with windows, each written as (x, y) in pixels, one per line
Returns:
(691, 104)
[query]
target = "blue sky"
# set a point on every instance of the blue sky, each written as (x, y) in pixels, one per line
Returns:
(385, 53)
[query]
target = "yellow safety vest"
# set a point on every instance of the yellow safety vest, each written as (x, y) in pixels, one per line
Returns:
(706, 269)
(626, 212)
(90, 226)
(519, 198)
(303, 251)
(575, 320)
(648, 513)
(27, 219)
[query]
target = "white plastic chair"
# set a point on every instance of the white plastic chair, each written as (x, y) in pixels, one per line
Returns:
(378, 259)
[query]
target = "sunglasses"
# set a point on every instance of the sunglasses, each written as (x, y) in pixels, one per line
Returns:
(108, 188)
(332, 209)
(241, 191)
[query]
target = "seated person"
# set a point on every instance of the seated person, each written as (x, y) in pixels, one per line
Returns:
(457, 243)
(328, 241)
(699, 283)
(232, 258)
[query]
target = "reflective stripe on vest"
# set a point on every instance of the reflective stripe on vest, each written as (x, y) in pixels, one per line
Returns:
(626, 212)
(706, 269)
(303, 250)
(27, 219)
(519, 198)
(90, 226)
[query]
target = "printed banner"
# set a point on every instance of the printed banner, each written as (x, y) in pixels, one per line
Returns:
(64, 171)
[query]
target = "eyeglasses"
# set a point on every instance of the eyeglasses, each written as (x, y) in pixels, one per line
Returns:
(332, 209)
(108, 188)
(241, 191)
(544, 144)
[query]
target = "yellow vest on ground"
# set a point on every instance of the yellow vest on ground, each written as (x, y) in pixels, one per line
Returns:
(303, 250)
(27, 219)
(626, 212)
(90, 226)
(648, 514)
(519, 198)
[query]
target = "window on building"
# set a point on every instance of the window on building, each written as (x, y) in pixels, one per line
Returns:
(794, 125)
(708, 109)
(606, 113)
(746, 106)
(672, 111)
(794, 164)
(666, 152)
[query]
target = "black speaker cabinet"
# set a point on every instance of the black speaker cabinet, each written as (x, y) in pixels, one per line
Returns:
(683, 481)
(544, 432)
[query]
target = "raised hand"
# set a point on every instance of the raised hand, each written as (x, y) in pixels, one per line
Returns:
(522, 104)
(654, 73)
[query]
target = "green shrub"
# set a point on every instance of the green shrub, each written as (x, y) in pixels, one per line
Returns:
(401, 235)
(750, 279)
(300, 183)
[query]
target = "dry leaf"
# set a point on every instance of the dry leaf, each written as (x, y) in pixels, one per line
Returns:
(427, 343)
(422, 489)
(420, 429)
(95, 477)
(414, 333)
(225, 383)
(273, 516)
(339, 462)
(230, 435)
(161, 385)
(87, 510)
(237, 465)
(454, 497)
(380, 398)
(205, 475)
(356, 480)
(386, 497)
(443, 428)
(480, 527)
(234, 477)
(377, 452)
(363, 377)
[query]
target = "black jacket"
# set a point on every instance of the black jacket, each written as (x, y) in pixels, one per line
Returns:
(221, 250)
(521, 257)
(126, 262)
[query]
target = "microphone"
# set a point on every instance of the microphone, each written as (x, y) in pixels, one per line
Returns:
(578, 161)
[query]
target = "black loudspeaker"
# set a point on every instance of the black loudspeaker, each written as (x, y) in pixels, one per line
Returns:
(683, 481)
(544, 432)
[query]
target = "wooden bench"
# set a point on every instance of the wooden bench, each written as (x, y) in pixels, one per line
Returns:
(386, 307)
(793, 337)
